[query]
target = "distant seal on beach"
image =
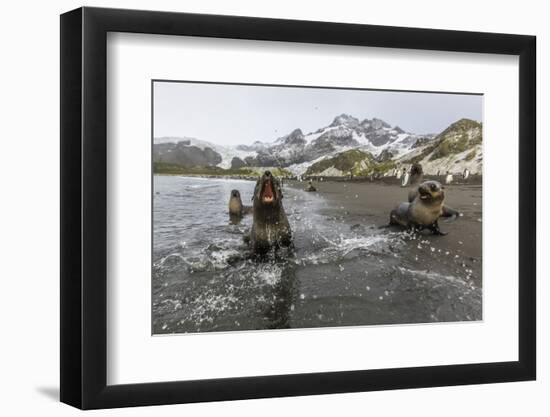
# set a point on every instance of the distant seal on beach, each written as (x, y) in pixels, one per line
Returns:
(270, 226)
(417, 174)
(236, 207)
(448, 178)
(310, 187)
(424, 209)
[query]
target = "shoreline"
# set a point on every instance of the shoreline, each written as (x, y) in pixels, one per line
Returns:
(473, 180)
(345, 270)
(368, 204)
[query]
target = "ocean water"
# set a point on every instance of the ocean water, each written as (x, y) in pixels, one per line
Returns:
(338, 274)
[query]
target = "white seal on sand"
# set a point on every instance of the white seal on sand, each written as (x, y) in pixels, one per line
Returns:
(466, 173)
(449, 178)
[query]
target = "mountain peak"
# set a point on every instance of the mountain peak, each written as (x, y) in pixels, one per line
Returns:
(344, 120)
(296, 132)
(295, 136)
(461, 126)
(374, 124)
(467, 123)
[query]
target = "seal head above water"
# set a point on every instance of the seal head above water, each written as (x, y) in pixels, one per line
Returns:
(236, 207)
(270, 226)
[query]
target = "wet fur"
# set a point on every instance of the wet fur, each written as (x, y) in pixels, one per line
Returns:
(311, 188)
(424, 208)
(236, 207)
(270, 226)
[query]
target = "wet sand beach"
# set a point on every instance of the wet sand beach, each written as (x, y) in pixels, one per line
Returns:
(368, 204)
(344, 269)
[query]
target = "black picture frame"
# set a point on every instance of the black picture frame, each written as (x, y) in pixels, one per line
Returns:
(84, 207)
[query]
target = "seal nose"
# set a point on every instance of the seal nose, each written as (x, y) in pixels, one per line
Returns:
(268, 173)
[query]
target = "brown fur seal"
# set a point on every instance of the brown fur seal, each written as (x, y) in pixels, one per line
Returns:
(417, 174)
(236, 208)
(310, 187)
(424, 209)
(270, 227)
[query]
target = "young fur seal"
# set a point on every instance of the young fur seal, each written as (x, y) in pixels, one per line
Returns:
(270, 227)
(417, 174)
(236, 208)
(310, 187)
(424, 209)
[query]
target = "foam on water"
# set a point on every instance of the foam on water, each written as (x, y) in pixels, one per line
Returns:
(205, 279)
(437, 277)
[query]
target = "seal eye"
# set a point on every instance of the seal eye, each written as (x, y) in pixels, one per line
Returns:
(433, 187)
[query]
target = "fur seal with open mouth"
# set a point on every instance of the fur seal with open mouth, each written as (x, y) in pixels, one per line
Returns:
(236, 207)
(424, 209)
(270, 226)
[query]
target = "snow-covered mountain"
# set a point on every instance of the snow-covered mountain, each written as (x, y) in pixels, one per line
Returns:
(458, 147)
(295, 151)
(191, 152)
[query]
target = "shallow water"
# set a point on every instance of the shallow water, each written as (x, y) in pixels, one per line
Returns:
(338, 274)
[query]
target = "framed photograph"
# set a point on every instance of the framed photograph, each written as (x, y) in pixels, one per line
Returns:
(256, 208)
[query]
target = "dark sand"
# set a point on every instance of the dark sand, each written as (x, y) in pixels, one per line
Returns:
(344, 270)
(368, 204)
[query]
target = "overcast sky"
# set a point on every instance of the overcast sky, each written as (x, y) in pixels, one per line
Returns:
(237, 114)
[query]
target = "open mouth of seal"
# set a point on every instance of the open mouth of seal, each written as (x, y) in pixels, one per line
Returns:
(268, 194)
(424, 194)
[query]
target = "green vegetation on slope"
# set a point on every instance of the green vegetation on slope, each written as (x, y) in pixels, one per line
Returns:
(457, 138)
(470, 156)
(348, 161)
(357, 162)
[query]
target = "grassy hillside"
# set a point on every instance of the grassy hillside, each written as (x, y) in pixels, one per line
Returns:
(457, 138)
(346, 162)
(456, 148)
(353, 161)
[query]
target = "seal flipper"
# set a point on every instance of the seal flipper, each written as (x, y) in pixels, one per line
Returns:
(436, 231)
(399, 215)
(412, 195)
(449, 213)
